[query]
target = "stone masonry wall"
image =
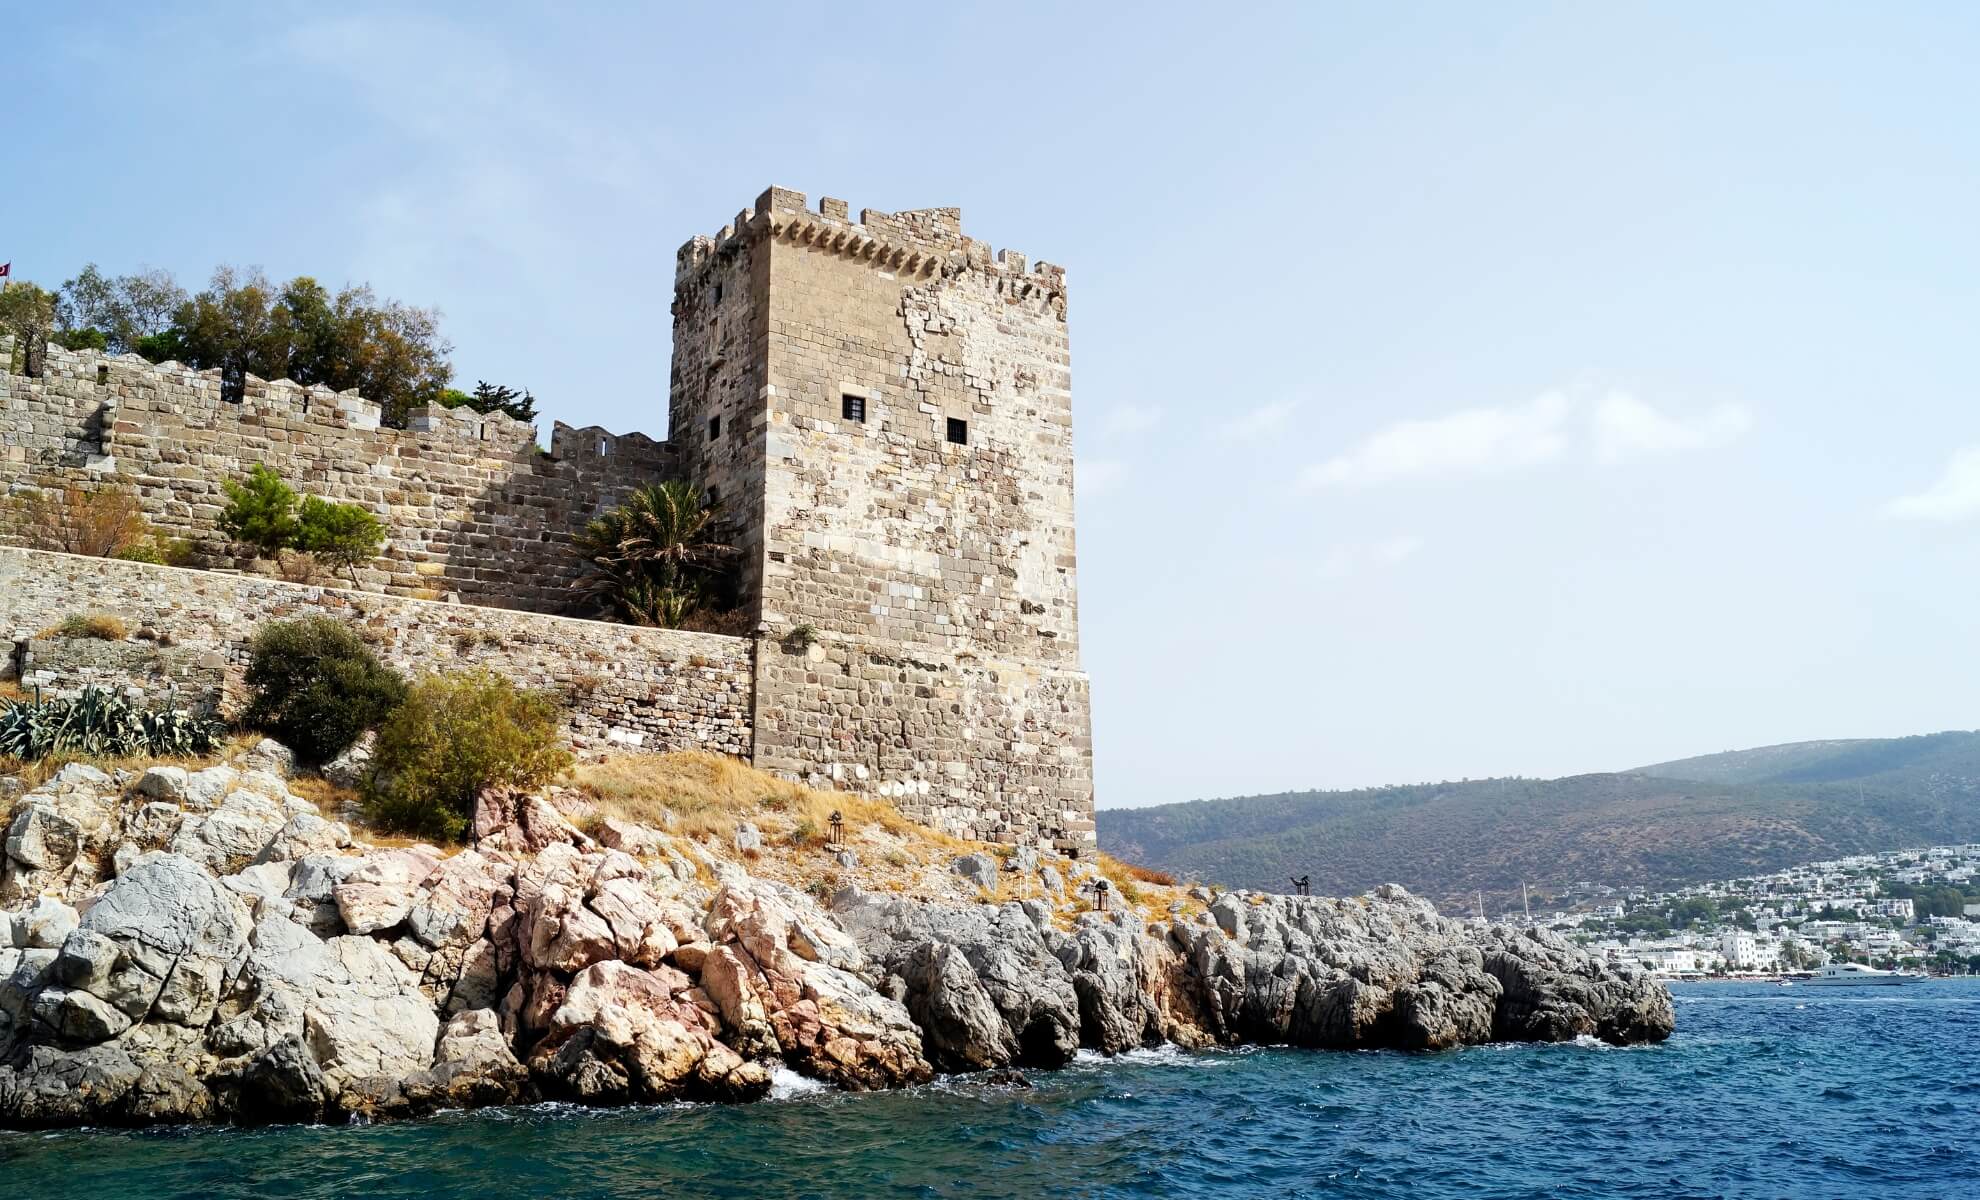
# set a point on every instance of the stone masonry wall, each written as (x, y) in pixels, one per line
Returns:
(934, 582)
(623, 686)
(471, 506)
(159, 674)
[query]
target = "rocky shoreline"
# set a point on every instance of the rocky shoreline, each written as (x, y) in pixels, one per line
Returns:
(204, 945)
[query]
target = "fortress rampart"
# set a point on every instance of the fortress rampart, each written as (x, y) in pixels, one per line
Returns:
(471, 506)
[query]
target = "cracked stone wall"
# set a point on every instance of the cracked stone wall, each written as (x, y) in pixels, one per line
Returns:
(623, 686)
(471, 506)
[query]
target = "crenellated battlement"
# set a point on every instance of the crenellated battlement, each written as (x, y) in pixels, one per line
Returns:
(472, 506)
(917, 243)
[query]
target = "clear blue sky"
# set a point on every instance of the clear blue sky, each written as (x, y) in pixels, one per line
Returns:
(1461, 389)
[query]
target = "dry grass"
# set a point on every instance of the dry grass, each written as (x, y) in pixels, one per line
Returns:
(11, 690)
(34, 774)
(699, 795)
(102, 626)
(1124, 874)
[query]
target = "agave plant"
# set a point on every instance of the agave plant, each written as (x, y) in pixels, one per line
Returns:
(100, 723)
(655, 556)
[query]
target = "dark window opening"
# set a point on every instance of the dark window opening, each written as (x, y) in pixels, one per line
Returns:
(714, 428)
(103, 375)
(959, 431)
(718, 293)
(853, 408)
(714, 497)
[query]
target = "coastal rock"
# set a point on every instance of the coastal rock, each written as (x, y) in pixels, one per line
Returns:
(626, 1034)
(178, 931)
(45, 925)
(380, 892)
(266, 971)
(473, 1067)
(1037, 1007)
(1554, 992)
(781, 963)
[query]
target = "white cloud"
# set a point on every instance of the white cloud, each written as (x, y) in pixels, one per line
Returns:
(1098, 476)
(1507, 438)
(1125, 419)
(1476, 441)
(1624, 427)
(1261, 421)
(1954, 497)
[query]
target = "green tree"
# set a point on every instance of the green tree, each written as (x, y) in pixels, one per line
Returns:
(340, 536)
(656, 558)
(316, 688)
(455, 736)
(491, 398)
(260, 512)
(117, 313)
(242, 324)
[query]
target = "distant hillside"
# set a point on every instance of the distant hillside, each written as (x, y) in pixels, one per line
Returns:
(1695, 819)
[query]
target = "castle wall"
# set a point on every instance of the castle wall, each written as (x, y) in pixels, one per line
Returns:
(471, 506)
(623, 686)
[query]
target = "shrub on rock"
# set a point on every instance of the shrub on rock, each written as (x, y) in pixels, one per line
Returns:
(455, 736)
(316, 688)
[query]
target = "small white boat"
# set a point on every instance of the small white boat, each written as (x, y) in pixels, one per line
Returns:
(1849, 974)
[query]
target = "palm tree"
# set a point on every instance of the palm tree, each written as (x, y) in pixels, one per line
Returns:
(655, 556)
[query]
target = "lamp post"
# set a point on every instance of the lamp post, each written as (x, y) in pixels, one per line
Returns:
(838, 823)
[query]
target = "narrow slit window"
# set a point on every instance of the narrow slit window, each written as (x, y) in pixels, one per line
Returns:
(853, 408)
(714, 428)
(959, 431)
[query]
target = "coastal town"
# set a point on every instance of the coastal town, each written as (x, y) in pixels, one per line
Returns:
(1915, 910)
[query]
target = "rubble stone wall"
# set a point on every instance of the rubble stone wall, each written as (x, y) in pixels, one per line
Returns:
(622, 685)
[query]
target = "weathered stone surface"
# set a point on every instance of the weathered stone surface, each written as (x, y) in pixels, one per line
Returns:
(304, 834)
(41, 838)
(1013, 968)
(979, 869)
(472, 1068)
(45, 925)
(174, 923)
(163, 783)
(381, 891)
(786, 978)
(622, 1033)
(368, 1017)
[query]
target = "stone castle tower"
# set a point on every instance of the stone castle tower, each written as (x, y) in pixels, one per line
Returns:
(883, 410)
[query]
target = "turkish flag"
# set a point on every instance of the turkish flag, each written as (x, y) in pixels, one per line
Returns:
(6, 269)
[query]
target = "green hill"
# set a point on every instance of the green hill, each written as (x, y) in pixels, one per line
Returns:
(1694, 819)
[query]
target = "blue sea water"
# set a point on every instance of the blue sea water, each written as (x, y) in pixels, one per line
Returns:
(1764, 1092)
